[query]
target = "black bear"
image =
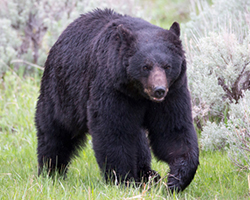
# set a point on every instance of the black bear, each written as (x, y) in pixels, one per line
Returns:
(123, 81)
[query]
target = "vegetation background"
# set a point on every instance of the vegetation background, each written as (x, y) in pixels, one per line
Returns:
(216, 38)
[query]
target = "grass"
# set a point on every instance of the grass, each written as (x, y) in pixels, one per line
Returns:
(216, 178)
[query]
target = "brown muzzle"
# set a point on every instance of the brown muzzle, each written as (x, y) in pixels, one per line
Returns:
(157, 86)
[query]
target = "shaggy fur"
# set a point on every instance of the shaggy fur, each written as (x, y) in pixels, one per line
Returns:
(117, 78)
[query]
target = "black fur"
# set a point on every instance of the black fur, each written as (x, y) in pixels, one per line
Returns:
(94, 82)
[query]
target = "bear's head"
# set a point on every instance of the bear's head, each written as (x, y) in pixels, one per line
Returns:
(157, 64)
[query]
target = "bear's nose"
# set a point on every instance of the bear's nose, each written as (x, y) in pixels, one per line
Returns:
(159, 91)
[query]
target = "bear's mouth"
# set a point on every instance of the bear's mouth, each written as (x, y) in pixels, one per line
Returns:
(154, 98)
(158, 100)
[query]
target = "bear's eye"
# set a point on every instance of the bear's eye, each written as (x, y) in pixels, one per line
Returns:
(146, 68)
(166, 67)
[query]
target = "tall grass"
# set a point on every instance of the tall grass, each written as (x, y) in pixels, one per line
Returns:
(216, 177)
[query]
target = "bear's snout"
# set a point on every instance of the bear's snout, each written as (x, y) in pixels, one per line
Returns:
(157, 86)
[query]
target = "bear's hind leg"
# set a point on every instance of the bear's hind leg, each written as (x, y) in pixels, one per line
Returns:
(55, 149)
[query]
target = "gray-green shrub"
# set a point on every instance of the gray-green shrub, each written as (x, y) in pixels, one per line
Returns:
(217, 41)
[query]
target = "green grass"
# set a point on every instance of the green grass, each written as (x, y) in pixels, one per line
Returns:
(216, 178)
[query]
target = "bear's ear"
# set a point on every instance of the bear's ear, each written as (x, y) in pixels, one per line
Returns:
(175, 28)
(125, 34)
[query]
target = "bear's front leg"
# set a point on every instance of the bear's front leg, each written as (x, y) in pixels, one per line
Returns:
(173, 138)
(180, 153)
(145, 173)
(182, 171)
(115, 126)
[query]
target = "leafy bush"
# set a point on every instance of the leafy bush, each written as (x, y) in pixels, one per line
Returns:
(219, 72)
(28, 24)
(9, 42)
(231, 16)
(214, 136)
(239, 132)
(218, 52)
(217, 45)
(234, 135)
